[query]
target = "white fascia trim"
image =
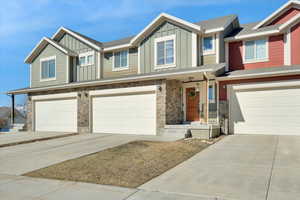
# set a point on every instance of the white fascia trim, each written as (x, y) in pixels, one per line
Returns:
(54, 96)
(165, 16)
(119, 80)
(253, 35)
(76, 36)
(45, 39)
(123, 90)
(215, 30)
(289, 22)
(123, 46)
(259, 75)
(274, 84)
(194, 50)
(278, 11)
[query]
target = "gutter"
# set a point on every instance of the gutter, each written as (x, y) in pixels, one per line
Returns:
(259, 75)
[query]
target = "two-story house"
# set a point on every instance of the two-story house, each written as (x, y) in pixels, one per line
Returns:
(173, 75)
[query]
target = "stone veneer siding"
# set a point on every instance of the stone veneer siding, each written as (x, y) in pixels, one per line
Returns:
(168, 102)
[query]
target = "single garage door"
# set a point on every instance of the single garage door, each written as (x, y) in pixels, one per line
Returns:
(133, 113)
(56, 115)
(270, 110)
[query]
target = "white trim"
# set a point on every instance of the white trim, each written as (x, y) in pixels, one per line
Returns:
(86, 54)
(289, 22)
(278, 11)
(67, 69)
(162, 39)
(139, 59)
(253, 35)
(255, 60)
(272, 84)
(287, 48)
(54, 96)
(208, 31)
(123, 67)
(194, 50)
(163, 17)
(227, 56)
(76, 36)
(209, 52)
(45, 39)
(217, 48)
(123, 46)
(30, 75)
(259, 75)
(47, 59)
(99, 65)
(123, 90)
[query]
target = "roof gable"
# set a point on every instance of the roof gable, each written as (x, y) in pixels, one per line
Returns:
(42, 44)
(281, 15)
(158, 21)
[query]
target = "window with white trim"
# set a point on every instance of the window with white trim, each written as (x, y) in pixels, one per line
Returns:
(48, 68)
(86, 59)
(121, 60)
(256, 50)
(165, 51)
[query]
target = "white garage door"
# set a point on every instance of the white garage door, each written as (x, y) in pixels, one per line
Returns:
(56, 115)
(274, 111)
(125, 114)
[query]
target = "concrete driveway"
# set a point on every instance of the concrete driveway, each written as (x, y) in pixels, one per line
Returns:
(238, 168)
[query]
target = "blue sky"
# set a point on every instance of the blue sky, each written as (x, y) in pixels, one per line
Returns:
(24, 22)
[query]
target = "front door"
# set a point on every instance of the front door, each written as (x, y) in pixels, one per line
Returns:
(192, 104)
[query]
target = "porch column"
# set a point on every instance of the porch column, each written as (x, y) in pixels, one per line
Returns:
(12, 113)
(206, 102)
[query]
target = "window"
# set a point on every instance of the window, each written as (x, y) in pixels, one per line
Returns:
(86, 59)
(256, 50)
(120, 60)
(208, 45)
(48, 68)
(165, 51)
(211, 93)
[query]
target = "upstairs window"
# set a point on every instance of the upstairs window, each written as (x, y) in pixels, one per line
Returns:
(208, 45)
(165, 51)
(48, 68)
(256, 51)
(86, 59)
(121, 60)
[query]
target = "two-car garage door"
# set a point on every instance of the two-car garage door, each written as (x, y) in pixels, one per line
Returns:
(265, 109)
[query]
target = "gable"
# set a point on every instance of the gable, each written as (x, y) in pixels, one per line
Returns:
(74, 44)
(286, 16)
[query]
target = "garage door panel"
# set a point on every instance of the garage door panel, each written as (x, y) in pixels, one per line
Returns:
(56, 115)
(125, 114)
(268, 111)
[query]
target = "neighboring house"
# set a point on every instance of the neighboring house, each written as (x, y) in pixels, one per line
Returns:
(211, 74)
(5, 118)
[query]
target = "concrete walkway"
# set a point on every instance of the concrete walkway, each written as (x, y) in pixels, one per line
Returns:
(238, 168)
(11, 138)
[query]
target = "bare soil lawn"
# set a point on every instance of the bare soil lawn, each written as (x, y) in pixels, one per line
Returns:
(129, 165)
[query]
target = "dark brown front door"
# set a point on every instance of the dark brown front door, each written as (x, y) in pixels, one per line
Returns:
(192, 105)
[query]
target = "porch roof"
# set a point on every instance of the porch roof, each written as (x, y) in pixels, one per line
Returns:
(213, 69)
(261, 72)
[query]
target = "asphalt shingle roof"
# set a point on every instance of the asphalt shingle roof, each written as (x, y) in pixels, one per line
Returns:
(216, 22)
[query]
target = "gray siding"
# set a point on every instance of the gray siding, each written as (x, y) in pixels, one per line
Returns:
(81, 73)
(108, 65)
(183, 47)
(61, 62)
(209, 59)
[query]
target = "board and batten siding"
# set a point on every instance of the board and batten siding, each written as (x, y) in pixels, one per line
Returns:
(81, 73)
(183, 47)
(108, 65)
(61, 62)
